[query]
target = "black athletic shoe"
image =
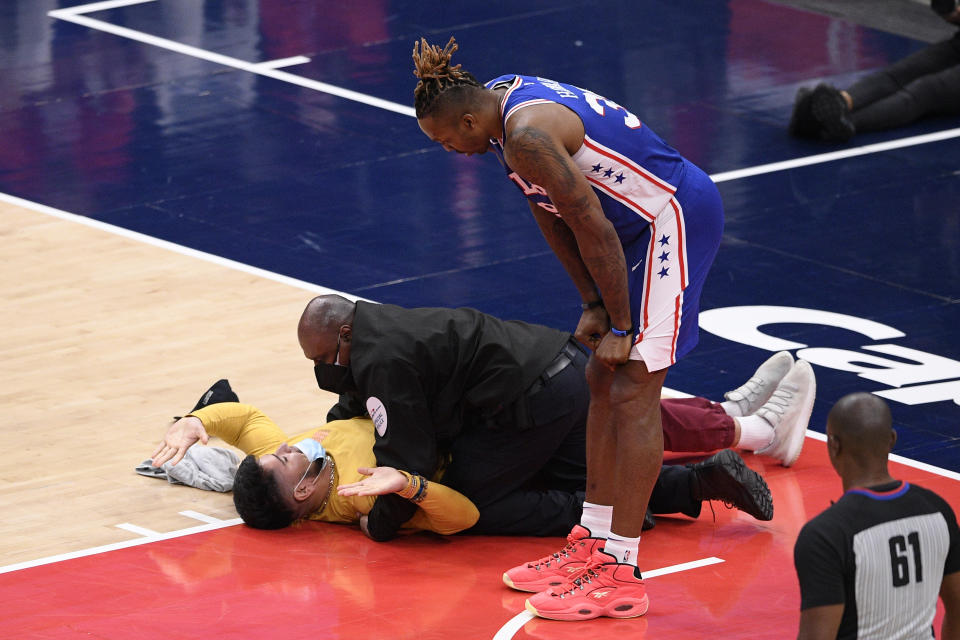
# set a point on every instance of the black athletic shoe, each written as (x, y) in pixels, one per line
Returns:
(648, 521)
(802, 123)
(831, 112)
(725, 476)
(219, 392)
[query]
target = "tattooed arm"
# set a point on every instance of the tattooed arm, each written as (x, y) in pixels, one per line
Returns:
(594, 323)
(538, 145)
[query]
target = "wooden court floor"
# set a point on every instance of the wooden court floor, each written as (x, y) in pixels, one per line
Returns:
(105, 339)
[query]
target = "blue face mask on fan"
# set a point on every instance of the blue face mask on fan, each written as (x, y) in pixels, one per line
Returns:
(312, 449)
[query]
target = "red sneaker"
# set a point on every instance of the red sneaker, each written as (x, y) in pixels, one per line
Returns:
(555, 569)
(603, 587)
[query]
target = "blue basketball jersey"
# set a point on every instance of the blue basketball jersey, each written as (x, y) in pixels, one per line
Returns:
(665, 210)
(632, 171)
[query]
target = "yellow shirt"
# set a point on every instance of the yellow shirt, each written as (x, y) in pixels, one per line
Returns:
(350, 444)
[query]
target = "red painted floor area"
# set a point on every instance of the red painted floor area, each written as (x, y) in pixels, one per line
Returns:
(323, 581)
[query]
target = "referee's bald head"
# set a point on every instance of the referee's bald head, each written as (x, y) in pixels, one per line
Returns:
(863, 425)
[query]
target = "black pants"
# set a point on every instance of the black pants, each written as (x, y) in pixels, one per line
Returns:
(924, 83)
(532, 482)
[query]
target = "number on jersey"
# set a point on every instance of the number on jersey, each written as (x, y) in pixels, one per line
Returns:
(530, 189)
(900, 559)
(593, 100)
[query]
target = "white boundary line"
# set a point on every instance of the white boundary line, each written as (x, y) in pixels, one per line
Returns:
(836, 155)
(282, 62)
(202, 517)
(140, 531)
(513, 625)
(268, 69)
(99, 6)
(684, 566)
(907, 462)
(170, 246)
(118, 545)
(71, 15)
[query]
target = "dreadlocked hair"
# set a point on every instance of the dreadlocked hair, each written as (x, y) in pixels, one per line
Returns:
(432, 65)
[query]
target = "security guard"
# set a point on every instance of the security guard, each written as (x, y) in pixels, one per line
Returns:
(498, 399)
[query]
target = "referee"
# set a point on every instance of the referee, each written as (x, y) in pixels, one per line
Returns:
(873, 563)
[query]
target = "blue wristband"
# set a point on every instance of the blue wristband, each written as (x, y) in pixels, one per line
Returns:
(618, 332)
(421, 492)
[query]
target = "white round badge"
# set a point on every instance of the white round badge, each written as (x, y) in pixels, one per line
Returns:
(378, 414)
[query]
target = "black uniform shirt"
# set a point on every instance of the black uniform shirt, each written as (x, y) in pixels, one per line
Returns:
(425, 374)
(881, 552)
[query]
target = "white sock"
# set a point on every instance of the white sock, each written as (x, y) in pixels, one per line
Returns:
(623, 549)
(597, 518)
(755, 433)
(731, 408)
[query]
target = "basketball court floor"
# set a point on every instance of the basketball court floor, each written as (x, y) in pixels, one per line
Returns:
(179, 177)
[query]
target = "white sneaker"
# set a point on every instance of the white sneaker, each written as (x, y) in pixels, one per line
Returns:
(788, 412)
(753, 393)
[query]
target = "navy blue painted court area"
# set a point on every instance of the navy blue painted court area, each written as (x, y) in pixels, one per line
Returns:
(264, 160)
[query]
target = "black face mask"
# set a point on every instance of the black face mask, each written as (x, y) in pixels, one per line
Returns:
(335, 378)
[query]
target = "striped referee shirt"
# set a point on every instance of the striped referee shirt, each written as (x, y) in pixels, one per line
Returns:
(882, 553)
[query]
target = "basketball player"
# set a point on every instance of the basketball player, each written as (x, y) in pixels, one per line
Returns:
(637, 227)
(872, 564)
